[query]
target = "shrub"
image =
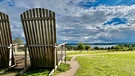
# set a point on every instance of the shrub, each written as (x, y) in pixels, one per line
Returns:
(87, 47)
(63, 67)
(96, 48)
(117, 48)
(71, 47)
(19, 41)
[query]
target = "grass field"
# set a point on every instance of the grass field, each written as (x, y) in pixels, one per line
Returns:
(39, 72)
(103, 63)
(99, 63)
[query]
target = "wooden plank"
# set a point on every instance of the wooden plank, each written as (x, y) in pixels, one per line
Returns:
(37, 39)
(48, 36)
(46, 30)
(3, 42)
(6, 41)
(26, 33)
(0, 58)
(40, 37)
(1, 37)
(30, 36)
(33, 36)
(51, 38)
(45, 38)
(9, 32)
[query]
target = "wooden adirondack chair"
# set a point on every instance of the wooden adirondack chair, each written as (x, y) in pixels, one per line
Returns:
(40, 33)
(6, 55)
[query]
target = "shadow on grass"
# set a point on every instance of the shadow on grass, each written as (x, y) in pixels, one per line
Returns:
(36, 72)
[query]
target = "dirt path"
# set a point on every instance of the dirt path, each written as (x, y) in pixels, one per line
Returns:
(9, 74)
(74, 67)
(19, 56)
(73, 64)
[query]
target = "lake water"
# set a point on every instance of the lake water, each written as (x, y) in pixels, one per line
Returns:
(101, 46)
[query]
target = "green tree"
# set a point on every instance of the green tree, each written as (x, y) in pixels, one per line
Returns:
(96, 48)
(124, 48)
(71, 47)
(80, 46)
(18, 40)
(117, 47)
(131, 48)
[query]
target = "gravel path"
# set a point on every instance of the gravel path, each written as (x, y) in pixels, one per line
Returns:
(10, 74)
(74, 67)
(73, 64)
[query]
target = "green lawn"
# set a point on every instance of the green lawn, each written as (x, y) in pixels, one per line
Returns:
(98, 63)
(103, 63)
(35, 72)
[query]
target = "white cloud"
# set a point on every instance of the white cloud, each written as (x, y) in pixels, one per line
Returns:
(92, 20)
(75, 23)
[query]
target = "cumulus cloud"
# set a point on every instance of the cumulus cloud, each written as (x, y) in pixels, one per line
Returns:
(90, 22)
(75, 23)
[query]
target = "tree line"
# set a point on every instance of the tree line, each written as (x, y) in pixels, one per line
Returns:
(120, 47)
(79, 46)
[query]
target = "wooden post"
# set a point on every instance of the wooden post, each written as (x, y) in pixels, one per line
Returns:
(26, 49)
(61, 49)
(65, 51)
(55, 58)
(0, 60)
(10, 55)
(16, 48)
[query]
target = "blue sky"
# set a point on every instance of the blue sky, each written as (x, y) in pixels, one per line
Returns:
(91, 21)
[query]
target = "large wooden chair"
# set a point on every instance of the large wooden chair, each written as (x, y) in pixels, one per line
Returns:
(40, 33)
(6, 54)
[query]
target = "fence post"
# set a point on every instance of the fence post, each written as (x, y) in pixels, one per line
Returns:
(16, 47)
(26, 49)
(0, 60)
(55, 58)
(61, 49)
(10, 54)
(65, 51)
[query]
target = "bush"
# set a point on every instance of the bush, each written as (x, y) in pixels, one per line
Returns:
(117, 47)
(87, 47)
(71, 47)
(63, 67)
(18, 41)
(96, 48)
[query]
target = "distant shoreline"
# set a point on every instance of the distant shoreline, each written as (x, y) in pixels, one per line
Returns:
(103, 43)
